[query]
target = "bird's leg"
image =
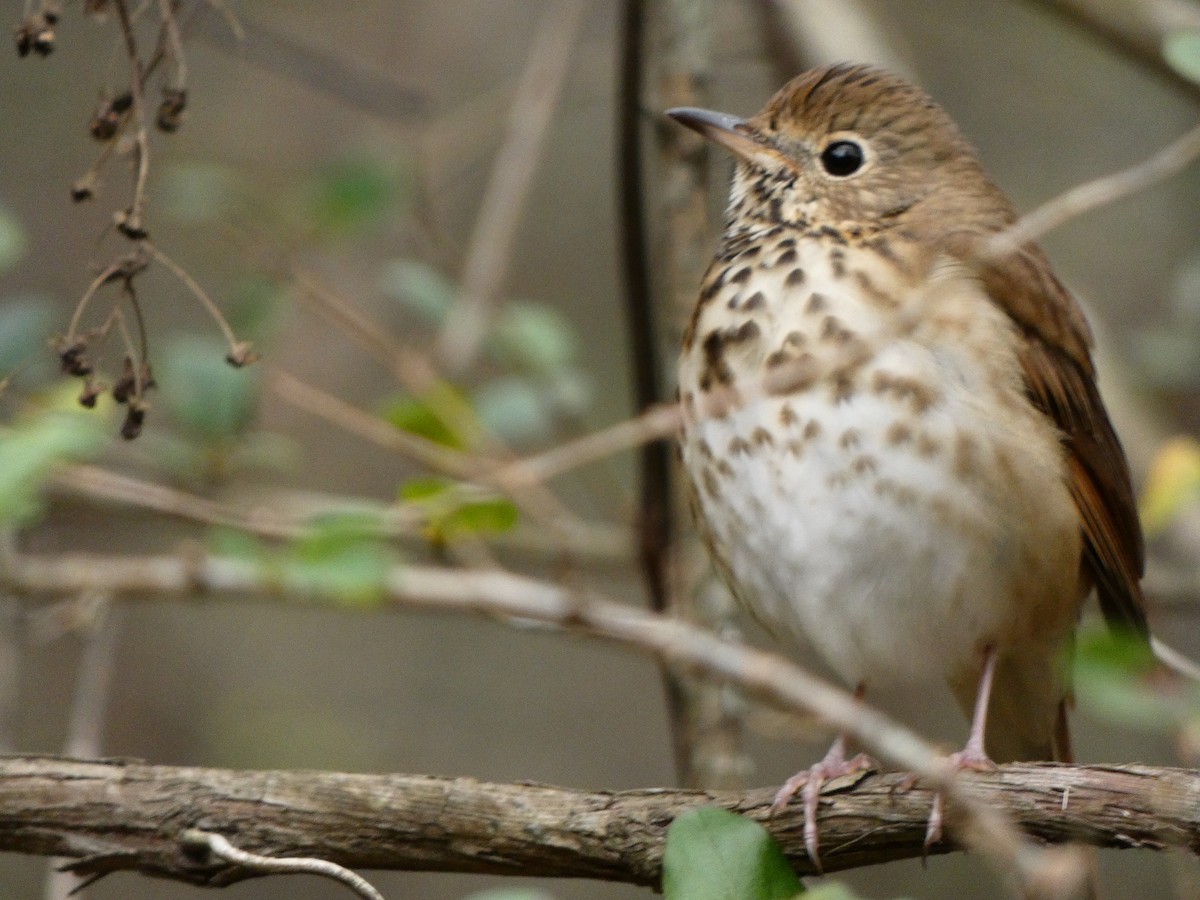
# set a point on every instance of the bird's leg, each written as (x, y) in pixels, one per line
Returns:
(808, 784)
(973, 755)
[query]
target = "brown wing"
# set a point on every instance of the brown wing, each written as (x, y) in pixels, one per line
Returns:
(1061, 382)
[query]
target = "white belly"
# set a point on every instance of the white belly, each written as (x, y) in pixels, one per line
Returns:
(898, 534)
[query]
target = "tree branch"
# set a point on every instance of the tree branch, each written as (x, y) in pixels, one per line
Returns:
(114, 815)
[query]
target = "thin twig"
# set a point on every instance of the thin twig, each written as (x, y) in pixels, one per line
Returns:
(219, 846)
(498, 594)
(495, 232)
(654, 424)
(198, 292)
(141, 142)
(1098, 192)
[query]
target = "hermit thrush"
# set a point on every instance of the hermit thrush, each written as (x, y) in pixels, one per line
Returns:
(893, 435)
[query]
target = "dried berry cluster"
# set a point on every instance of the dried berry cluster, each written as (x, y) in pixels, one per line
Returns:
(122, 123)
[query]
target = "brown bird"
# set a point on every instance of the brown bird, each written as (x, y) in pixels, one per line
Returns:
(894, 437)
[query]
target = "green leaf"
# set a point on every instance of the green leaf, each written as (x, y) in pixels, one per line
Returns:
(1113, 678)
(531, 337)
(344, 558)
(1181, 50)
(25, 322)
(13, 242)
(208, 398)
(480, 517)
(420, 287)
(422, 490)
(442, 415)
(235, 544)
(454, 510)
(352, 195)
(33, 448)
(514, 409)
(713, 854)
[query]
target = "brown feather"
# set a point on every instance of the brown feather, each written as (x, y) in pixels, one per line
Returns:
(1061, 381)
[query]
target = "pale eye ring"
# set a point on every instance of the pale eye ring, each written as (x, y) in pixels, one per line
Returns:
(842, 157)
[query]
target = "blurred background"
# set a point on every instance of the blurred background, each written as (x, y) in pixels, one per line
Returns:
(349, 145)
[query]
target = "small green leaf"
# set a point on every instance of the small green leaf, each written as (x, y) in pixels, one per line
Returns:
(25, 322)
(13, 242)
(344, 557)
(34, 447)
(1114, 679)
(235, 544)
(1181, 50)
(417, 417)
(514, 409)
(454, 510)
(481, 517)
(713, 854)
(422, 490)
(352, 195)
(531, 337)
(208, 398)
(442, 415)
(420, 287)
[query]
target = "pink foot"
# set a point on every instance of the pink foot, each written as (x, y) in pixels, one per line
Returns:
(808, 785)
(970, 757)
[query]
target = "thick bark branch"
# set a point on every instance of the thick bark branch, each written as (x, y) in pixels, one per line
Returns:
(111, 815)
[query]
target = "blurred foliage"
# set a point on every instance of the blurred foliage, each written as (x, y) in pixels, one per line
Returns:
(419, 287)
(201, 192)
(1181, 50)
(453, 510)
(209, 400)
(443, 415)
(352, 195)
(1117, 678)
(713, 854)
(1172, 483)
(213, 408)
(24, 323)
(55, 431)
(535, 347)
(343, 557)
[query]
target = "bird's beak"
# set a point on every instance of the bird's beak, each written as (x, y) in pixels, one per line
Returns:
(736, 135)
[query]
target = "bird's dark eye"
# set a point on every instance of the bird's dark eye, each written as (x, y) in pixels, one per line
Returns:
(842, 158)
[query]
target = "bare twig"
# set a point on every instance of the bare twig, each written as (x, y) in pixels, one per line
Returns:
(1090, 195)
(220, 847)
(654, 424)
(512, 173)
(499, 594)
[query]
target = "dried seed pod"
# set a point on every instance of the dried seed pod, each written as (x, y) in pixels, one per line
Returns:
(135, 416)
(170, 111)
